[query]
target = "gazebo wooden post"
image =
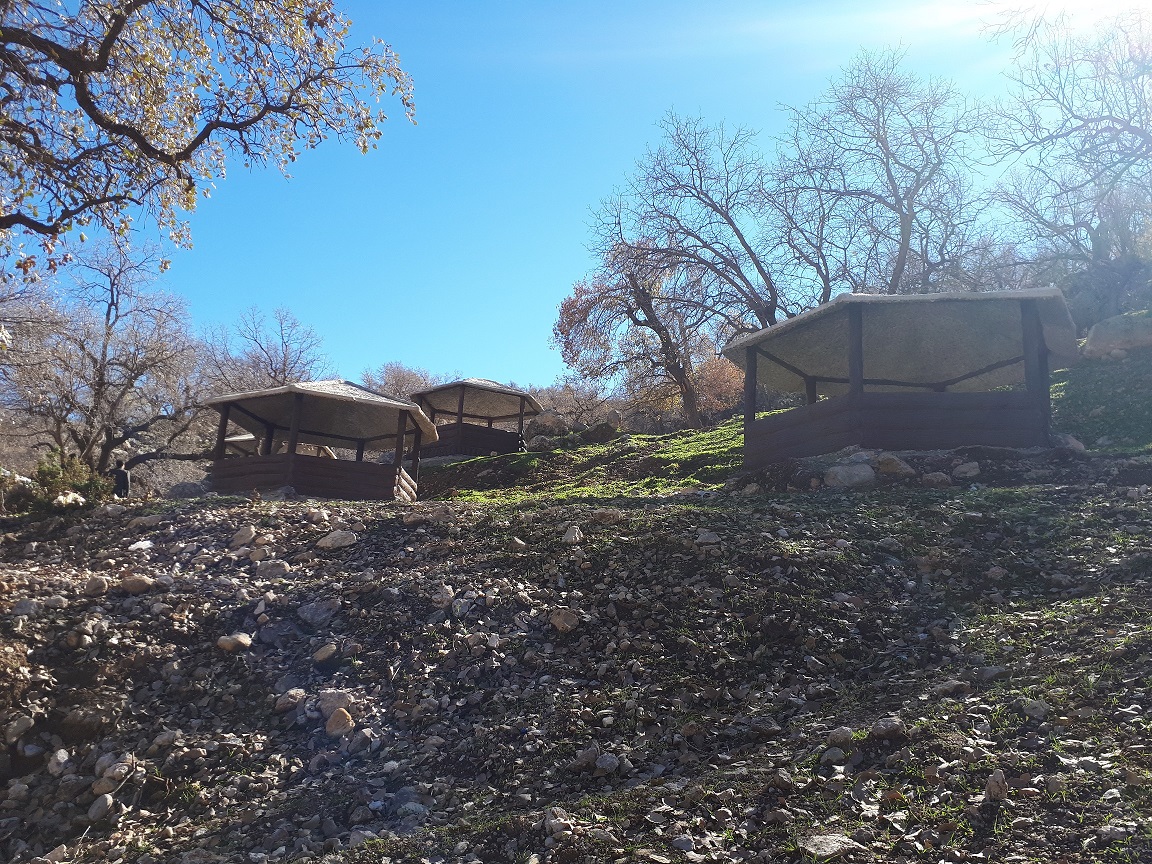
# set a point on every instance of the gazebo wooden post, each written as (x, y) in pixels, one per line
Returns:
(855, 348)
(460, 406)
(520, 421)
(294, 435)
(360, 450)
(221, 432)
(749, 391)
(266, 444)
(401, 428)
(294, 423)
(810, 394)
(416, 454)
(1036, 380)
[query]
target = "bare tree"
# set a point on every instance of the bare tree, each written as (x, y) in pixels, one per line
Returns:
(258, 353)
(877, 170)
(1079, 120)
(1081, 104)
(869, 191)
(111, 366)
(1090, 240)
(695, 211)
(576, 397)
(814, 237)
(396, 379)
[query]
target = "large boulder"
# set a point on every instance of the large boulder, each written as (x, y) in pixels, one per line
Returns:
(188, 489)
(852, 476)
(891, 465)
(601, 433)
(549, 424)
(542, 443)
(1120, 333)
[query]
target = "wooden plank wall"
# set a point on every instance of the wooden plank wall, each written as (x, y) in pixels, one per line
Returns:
(339, 478)
(470, 440)
(806, 431)
(311, 475)
(249, 472)
(899, 421)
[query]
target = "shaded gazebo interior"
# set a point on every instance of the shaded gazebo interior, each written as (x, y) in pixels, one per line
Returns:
(475, 417)
(294, 435)
(907, 372)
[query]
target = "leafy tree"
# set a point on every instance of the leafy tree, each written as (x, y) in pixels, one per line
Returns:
(115, 106)
(258, 353)
(111, 368)
(56, 475)
(627, 329)
(720, 383)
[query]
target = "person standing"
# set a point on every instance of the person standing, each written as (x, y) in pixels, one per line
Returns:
(121, 480)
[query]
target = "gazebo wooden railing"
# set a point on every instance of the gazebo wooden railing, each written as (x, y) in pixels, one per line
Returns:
(313, 476)
(898, 421)
(468, 439)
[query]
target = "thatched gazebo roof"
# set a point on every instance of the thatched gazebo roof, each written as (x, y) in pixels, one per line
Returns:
(334, 413)
(482, 400)
(964, 341)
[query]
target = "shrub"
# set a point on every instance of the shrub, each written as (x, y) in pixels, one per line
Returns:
(16, 492)
(57, 475)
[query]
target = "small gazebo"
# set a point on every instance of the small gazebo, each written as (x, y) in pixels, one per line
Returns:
(907, 372)
(467, 412)
(325, 417)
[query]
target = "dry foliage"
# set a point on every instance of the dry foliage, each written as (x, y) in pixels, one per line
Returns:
(396, 379)
(113, 107)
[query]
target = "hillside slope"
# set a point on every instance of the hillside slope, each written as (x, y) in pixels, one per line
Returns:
(1104, 404)
(625, 652)
(717, 680)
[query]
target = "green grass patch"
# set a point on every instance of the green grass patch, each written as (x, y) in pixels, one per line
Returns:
(632, 466)
(1106, 399)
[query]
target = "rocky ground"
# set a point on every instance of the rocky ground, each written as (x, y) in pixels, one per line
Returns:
(895, 674)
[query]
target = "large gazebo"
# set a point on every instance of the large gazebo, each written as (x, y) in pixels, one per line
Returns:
(328, 416)
(913, 372)
(467, 412)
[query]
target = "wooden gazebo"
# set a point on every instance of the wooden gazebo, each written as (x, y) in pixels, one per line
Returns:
(326, 416)
(907, 372)
(467, 412)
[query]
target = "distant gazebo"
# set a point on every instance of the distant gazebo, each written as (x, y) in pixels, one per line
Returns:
(323, 417)
(907, 372)
(467, 412)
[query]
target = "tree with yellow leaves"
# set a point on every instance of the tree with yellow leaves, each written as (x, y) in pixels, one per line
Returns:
(113, 107)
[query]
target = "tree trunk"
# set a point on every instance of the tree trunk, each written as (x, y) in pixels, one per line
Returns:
(691, 404)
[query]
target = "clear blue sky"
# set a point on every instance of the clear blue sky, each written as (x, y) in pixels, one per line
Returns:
(451, 246)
